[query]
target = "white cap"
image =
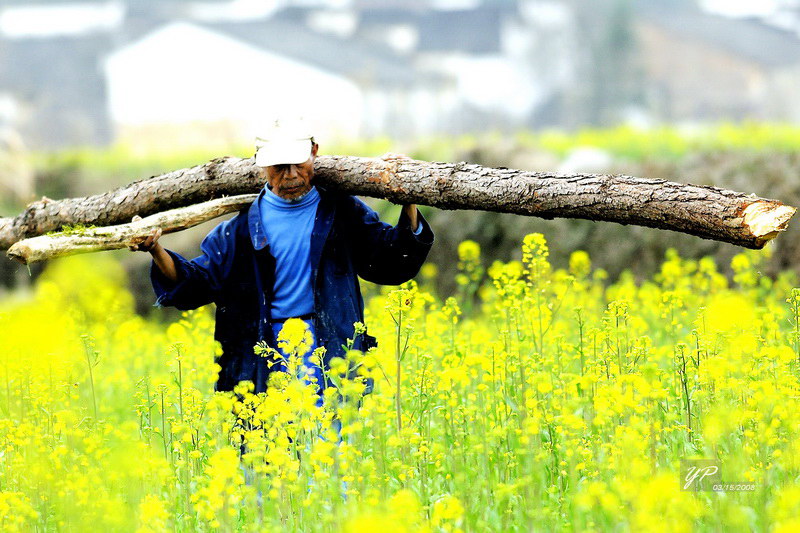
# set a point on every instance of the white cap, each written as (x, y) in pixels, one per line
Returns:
(284, 142)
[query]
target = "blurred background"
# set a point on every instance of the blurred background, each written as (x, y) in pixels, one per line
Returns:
(98, 93)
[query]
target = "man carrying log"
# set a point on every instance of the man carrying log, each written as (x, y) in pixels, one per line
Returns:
(296, 252)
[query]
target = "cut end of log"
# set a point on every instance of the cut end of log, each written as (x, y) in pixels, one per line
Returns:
(766, 220)
(19, 252)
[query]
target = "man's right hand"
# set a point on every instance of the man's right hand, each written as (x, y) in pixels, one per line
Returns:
(161, 258)
(150, 243)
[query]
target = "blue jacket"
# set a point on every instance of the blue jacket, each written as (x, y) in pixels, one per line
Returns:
(235, 271)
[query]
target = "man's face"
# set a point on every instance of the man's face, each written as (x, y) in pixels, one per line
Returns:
(291, 181)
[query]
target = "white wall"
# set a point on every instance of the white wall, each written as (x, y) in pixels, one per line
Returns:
(184, 73)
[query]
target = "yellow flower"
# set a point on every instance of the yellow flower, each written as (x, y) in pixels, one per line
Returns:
(153, 515)
(405, 506)
(368, 522)
(295, 337)
(469, 251)
(579, 264)
(16, 511)
(447, 512)
(429, 270)
(728, 312)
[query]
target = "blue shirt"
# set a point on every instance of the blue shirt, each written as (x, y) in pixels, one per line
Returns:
(287, 227)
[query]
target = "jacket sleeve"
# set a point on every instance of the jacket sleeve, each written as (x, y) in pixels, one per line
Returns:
(386, 254)
(200, 279)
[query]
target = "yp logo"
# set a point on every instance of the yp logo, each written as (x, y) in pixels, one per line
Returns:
(704, 474)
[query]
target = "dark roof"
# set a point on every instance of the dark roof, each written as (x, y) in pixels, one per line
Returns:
(386, 16)
(384, 5)
(472, 31)
(293, 14)
(62, 81)
(355, 59)
(748, 38)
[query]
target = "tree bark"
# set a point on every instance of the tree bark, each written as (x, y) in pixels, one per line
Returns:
(121, 236)
(704, 211)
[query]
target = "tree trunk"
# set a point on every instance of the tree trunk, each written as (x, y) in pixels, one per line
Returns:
(707, 212)
(180, 188)
(84, 240)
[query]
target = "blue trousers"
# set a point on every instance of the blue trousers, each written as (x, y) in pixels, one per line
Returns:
(310, 372)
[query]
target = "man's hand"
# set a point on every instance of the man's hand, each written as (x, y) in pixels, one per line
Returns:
(409, 209)
(149, 244)
(160, 256)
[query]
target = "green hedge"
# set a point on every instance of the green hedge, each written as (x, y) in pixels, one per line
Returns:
(121, 163)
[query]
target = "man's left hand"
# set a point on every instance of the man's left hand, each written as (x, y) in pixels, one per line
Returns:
(411, 211)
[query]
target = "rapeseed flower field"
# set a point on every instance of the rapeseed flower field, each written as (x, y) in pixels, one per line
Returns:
(534, 399)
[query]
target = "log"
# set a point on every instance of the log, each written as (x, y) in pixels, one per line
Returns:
(85, 240)
(705, 211)
(180, 188)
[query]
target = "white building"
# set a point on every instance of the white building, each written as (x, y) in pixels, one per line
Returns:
(222, 81)
(182, 74)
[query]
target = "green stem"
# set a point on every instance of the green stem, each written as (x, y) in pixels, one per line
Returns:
(88, 350)
(398, 408)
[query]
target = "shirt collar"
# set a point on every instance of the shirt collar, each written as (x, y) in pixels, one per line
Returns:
(282, 203)
(257, 233)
